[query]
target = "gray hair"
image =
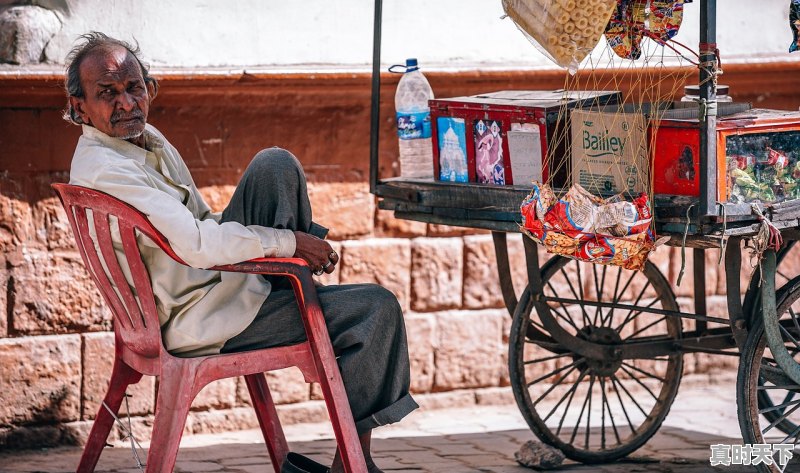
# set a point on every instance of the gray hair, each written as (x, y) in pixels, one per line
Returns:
(87, 43)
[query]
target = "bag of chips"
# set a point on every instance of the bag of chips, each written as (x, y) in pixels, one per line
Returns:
(566, 31)
(633, 20)
(587, 228)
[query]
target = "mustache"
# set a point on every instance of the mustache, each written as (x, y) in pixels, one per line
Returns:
(120, 115)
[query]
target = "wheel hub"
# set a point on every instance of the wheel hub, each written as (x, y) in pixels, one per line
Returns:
(601, 336)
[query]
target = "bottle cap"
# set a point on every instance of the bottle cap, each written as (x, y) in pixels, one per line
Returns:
(694, 90)
(411, 64)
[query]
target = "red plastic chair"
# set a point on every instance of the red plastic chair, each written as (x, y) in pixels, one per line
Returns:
(140, 351)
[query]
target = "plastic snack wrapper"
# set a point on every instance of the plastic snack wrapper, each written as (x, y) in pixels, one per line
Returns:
(633, 20)
(588, 228)
(566, 31)
(794, 24)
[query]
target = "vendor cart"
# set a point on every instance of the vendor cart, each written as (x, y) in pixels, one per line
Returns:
(596, 352)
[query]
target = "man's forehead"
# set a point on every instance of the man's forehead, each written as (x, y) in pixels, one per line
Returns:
(114, 63)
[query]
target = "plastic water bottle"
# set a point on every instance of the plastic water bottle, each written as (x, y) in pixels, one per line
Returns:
(414, 122)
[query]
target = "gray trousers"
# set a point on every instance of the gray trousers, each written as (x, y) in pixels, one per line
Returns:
(365, 321)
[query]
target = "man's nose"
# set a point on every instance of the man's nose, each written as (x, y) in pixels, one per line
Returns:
(126, 102)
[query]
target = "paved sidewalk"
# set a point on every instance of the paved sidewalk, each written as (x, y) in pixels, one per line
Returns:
(479, 439)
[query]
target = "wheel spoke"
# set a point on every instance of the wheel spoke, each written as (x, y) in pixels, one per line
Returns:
(556, 371)
(610, 414)
(602, 415)
(793, 433)
(597, 289)
(554, 385)
(565, 317)
(579, 283)
(628, 317)
(574, 389)
(794, 340)
(622, 405)
(589, 412)
(637, 313)
(578, 298)
(649, 375)
(610, 314)
(639, 381)
(645, 328)
(780, 419)
(617, 297)
(794, 319)
(580, 416)
(569, 394)
(547, 358)
(778, 407)
(629, 395)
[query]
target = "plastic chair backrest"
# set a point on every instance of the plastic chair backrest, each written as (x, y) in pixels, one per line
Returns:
(136, 322)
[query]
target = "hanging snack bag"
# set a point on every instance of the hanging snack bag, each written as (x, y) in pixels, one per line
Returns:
(566, 31)
(633, 20)
(587, 228)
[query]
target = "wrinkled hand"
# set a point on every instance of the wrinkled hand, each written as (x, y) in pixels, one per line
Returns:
(318, 253)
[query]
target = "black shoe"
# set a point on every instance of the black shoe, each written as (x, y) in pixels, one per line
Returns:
(296, 463)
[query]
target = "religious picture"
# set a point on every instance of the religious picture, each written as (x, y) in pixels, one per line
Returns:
(489, 152)
(686, 164)
(452, 149)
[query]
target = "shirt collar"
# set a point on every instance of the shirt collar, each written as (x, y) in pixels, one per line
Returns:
(123, 147)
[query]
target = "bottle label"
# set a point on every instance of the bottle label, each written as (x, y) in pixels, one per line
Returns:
(411, 126)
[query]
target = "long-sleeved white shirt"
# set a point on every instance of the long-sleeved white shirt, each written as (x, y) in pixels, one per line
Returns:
(199, 310)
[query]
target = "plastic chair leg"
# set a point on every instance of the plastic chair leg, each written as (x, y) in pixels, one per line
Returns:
(122, 376)
(176, 391)
(268, 419)
(343, 427)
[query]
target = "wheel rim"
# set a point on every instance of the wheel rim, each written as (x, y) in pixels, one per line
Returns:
(769, 402)
(595, 410)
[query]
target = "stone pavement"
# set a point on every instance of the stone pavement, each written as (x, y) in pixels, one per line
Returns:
(478, 439)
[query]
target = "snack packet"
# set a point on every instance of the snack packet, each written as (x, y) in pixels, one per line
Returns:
(585, 227)
(633, 20)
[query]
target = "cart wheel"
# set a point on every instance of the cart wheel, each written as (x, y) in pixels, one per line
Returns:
(768, 401)
(768, 398)
(595, 411)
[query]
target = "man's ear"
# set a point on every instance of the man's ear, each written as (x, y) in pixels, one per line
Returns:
(152, 89)
(77, 105)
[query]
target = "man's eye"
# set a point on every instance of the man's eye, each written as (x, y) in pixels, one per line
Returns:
(105, 92)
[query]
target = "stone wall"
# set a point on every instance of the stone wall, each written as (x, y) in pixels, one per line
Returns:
(56, 342)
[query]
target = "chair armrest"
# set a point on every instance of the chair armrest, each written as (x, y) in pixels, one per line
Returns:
(271, 266)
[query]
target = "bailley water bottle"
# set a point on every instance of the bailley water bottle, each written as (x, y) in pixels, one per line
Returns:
(414, 122)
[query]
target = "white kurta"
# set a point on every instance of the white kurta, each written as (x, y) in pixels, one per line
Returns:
(199, 310)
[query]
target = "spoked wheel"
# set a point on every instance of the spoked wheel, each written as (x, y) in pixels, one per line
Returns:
(769, 398)
(768, 401)
(595, 410)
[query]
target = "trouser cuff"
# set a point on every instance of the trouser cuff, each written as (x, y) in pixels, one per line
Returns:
(388, 415)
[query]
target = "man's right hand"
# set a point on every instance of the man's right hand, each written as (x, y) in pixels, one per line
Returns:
(318, 253)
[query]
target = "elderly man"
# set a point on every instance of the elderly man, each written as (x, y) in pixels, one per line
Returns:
(204, 312)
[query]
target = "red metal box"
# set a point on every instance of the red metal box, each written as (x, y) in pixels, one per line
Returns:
(505, 137)
(758, 156)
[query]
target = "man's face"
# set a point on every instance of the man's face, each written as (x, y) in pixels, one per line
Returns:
(116, 99)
